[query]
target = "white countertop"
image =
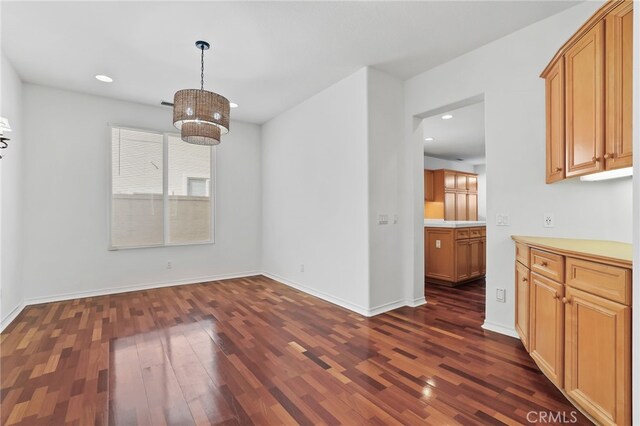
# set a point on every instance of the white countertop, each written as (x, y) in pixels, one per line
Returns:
(439, 223)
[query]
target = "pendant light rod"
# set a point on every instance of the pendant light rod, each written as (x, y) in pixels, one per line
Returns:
(202, 45)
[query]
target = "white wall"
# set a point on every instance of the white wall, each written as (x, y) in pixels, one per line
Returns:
(506, 72)
(66, 182)
(433, 163)
(481, 171)
(385, 121)
(11, 196)
(314, 194)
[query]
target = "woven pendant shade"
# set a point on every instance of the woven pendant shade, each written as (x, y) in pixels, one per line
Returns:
(199, 133)
(208, 109)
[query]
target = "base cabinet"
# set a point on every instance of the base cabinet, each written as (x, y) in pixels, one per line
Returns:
(573, 316)
(454, 255)
(546, 316)
(522, 303)
(597, 356)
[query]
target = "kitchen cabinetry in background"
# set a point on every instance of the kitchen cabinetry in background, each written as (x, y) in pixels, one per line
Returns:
(457, 191)
(589, 96)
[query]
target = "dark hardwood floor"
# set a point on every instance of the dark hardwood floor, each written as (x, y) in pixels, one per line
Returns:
(253, 351)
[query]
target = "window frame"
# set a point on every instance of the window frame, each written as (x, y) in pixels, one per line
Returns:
(165, 190)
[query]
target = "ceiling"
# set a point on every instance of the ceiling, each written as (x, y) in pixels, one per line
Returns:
(461, 137)
(266, 56)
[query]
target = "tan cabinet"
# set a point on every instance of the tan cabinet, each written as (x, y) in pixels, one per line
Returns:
(428, 185)
(584, 82)
(597, 359)
(589, 96)
(619, 92)
(454, 255)
(546, 315)
(458, 192)
(555, 122)
(573, 315)
(522, 303)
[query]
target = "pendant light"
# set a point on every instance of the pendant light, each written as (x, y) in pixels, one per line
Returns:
(200, 115)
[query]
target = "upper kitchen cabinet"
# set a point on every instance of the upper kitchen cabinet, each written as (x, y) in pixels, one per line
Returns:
(428, 185)
(618, 86)
(458, 192)
(588, 96)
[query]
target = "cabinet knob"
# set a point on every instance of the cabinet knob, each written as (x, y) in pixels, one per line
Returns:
(595, 159)
(544, 264)
(555, 296)
(524, 279)
(558, 169)
(608, 156)
(565, 300)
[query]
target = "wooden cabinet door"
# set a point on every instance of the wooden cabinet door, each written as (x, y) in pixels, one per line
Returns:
(554, 88)
(619, 48)
(439, 246)
(428, 185)
(522, 303)
(475, 258)
(462, 260)
(472, 183)
(449, 180)
(584, 102)
(472, 206)
(546, 327)
(461, 182)
(598, 356)
(449, 206)
(461, 206)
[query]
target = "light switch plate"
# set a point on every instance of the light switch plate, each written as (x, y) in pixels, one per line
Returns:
(502, 219)
(500, 294)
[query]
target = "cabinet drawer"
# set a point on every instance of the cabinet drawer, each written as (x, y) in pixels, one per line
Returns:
(475, 233)
(610, 282)
(522, 254)
(547, 264)
(462, 233)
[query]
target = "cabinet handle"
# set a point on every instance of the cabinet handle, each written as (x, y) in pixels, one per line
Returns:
(608, 156)
(565, 300)
(555, 296)
(524, 279)
(558, 169)
(543, 264)
(595, 159)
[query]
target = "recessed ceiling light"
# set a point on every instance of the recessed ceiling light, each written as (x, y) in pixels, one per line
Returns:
(447, 117)
(104, 78)
(233, 105)
(429, 139)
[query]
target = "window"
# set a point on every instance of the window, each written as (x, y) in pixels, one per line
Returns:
(160, 190)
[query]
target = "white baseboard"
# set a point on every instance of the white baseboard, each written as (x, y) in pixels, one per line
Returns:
(114, 290)
(416, 302)
(324, 296)
(367, 312)
(499, 328)
(7, 319)
(135, 287)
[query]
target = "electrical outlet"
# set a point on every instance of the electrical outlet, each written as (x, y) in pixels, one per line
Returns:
(302, 267)
(383, 219)
(500, 295)
(502, 219)
(548, 220)
(438, 244)
(169, 265)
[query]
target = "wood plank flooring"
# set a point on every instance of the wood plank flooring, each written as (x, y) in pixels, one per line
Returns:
(253, 351)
